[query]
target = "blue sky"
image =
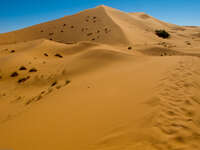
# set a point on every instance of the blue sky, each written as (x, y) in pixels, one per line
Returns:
(16, 14)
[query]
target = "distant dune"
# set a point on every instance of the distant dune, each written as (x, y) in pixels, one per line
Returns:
(100, 80)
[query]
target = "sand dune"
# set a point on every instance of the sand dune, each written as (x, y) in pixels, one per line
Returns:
(100, 80)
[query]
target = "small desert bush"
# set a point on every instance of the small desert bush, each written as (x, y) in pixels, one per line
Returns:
(22, 68)
(14, 74)
(162, 33)
(33, 70)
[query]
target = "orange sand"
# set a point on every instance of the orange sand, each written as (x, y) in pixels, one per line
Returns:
(100, 80)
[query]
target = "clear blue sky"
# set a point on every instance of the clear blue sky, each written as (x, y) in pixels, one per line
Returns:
(16, 14)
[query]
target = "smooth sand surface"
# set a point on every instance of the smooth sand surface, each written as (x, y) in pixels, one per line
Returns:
(100, 80)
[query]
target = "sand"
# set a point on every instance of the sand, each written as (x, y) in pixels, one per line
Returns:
(100, 80)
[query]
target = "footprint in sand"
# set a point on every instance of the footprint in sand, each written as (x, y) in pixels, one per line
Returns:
(67, 82)
(58, 86)
(82, 30)
(89, 34)
(107, 30)
(51, 33)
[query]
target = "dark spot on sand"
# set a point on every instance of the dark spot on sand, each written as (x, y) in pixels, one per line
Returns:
(22, 68)
(12, 51)
(54, 83)
(14, 74)
(33, 70)
(129, 48)
(58, 55)
(45, 54)
(67, 82)
(23, 79)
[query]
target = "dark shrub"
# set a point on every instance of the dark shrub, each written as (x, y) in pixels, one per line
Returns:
(129, 48)
(22, 68)
(12, 51)
(23, 79)
(45, 54)
(33, 70)
(14, 74)
(58, 55)
(162, 33)
(54, 83)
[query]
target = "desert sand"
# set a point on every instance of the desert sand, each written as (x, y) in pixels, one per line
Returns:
(100, 80)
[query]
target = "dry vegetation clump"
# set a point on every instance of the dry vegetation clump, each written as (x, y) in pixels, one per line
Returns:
(33, 70)
(14, 74)
(22, 68)
(162, 33)
(58, 55)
